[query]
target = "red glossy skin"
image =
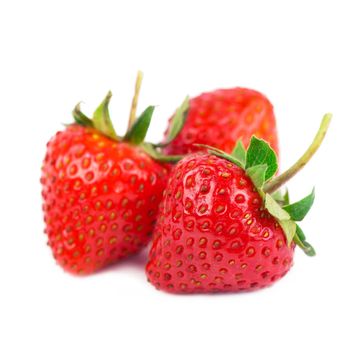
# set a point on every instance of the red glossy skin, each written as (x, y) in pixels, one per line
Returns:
(222, 117)
(100, 198)
(212, 234)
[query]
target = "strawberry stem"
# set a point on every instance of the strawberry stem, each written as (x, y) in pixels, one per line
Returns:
(278, 181)
(133, 110)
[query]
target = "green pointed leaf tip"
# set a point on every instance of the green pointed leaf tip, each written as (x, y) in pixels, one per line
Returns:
(101, 118)
(178, 120)
(150, 149)
(239, 152)
(289, 228)
(280, 197)
(257, 175)
(138, 131)
(219, 153)
(286, 197)
(259, 152)
(299, 210)
(300, 241)
(81, 118)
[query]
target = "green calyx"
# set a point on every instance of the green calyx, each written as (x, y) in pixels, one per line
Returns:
(177, 122)
(100, 120)
(260, 164)
(137, 126)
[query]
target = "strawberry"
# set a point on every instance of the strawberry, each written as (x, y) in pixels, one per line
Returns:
(221, 117)
(224, 226)
(100, 191)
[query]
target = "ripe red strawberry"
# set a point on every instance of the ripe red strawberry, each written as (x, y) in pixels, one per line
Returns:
(219, 229)
(100, 192)
(221, 117)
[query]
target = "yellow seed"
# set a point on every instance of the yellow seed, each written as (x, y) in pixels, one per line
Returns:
(91, 232)
(219, 209)
(202, 208)
(86, 163)
(115, 172)
(99, 252)
(226, 175)
(77, 185)
(113, 240)
(99, 156)
(66, 160)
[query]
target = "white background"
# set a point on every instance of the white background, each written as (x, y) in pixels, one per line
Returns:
(303, 55)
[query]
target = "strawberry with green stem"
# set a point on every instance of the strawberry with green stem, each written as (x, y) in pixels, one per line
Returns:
(223, 224)
(101, 191)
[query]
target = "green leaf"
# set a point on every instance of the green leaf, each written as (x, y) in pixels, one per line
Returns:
(153, 153)
(177, 122)
(257, 175)
(81, 118)
(275, 209)
(299, 239)
(219, 153)
(289, 227)
(139, 129)
(101, 118)
(259, 152)
(286, 197)
(300, 233)
(239, 152)
(281, 198)
(299, 210)
(278, 196)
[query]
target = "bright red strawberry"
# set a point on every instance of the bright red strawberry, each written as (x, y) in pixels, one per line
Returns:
(219, 229)
(100, 192)
(221, 117)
